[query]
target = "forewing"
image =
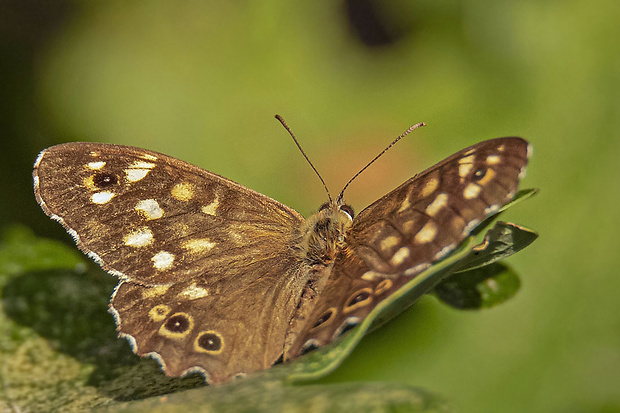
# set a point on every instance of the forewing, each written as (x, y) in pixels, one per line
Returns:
(410, 228)
(155, 219)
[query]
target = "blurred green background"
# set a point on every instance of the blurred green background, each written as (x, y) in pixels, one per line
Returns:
(202, 80)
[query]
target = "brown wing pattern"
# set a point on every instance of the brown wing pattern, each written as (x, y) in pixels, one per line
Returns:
(205, 263)
(123, 204)
(404, 232)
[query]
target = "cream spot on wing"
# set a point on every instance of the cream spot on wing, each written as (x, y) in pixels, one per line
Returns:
(194, 292)
(501, 148)
(471, 191)
(400, 256)
(95, 165)
(183, 191)
(389, 242)
(138, 170)
(89, 183)
(530, 150)
(142, 165)
(405, 205)
(149, 208)
(134, 175)
(163, 260)
(155, 291)
(467, 159)
(159, 312)
(101, 197)
(444, 251)
(465, 169)
(430, 187)
(148, 157)
(94, 154)
(199, 245)
(491, 210)
(212, 207)
(371, 275)
(426, 234)
(470, 226)
(417, 269)
(492, 160)
(434, 207)
(408, 226)
(139, 238)
(375, 275)
(35, 181)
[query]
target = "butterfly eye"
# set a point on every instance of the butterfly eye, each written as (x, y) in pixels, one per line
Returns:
(479, 174)
(324, 207)
(105, 179)
(347, 210)
(322, 225)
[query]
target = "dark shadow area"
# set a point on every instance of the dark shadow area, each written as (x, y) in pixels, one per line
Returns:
(70, 311)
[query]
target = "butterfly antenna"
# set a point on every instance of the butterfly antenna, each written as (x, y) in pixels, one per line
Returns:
(290, 132)
(405, 133)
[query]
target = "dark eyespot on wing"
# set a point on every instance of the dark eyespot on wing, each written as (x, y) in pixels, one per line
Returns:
(177, 324)
(210, 341)
(105, 179)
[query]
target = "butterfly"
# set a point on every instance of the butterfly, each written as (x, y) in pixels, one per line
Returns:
(219, 279)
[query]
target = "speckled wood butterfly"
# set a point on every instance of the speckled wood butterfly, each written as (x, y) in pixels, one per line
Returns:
(218, 279)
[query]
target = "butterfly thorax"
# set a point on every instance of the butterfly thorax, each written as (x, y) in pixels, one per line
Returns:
(323, 235)
(319, 241)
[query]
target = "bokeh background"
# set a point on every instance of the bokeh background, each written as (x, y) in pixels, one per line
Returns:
(202, 80)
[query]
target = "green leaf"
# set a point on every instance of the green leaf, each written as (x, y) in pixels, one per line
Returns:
(482, 287)
(501, 241)
(259, 395)
(21, 251)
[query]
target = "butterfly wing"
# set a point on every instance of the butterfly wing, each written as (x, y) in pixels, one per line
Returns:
(410, 228)
(205, 263)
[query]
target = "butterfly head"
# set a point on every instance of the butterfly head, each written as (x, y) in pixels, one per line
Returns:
(341, 207)
(323, 235)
